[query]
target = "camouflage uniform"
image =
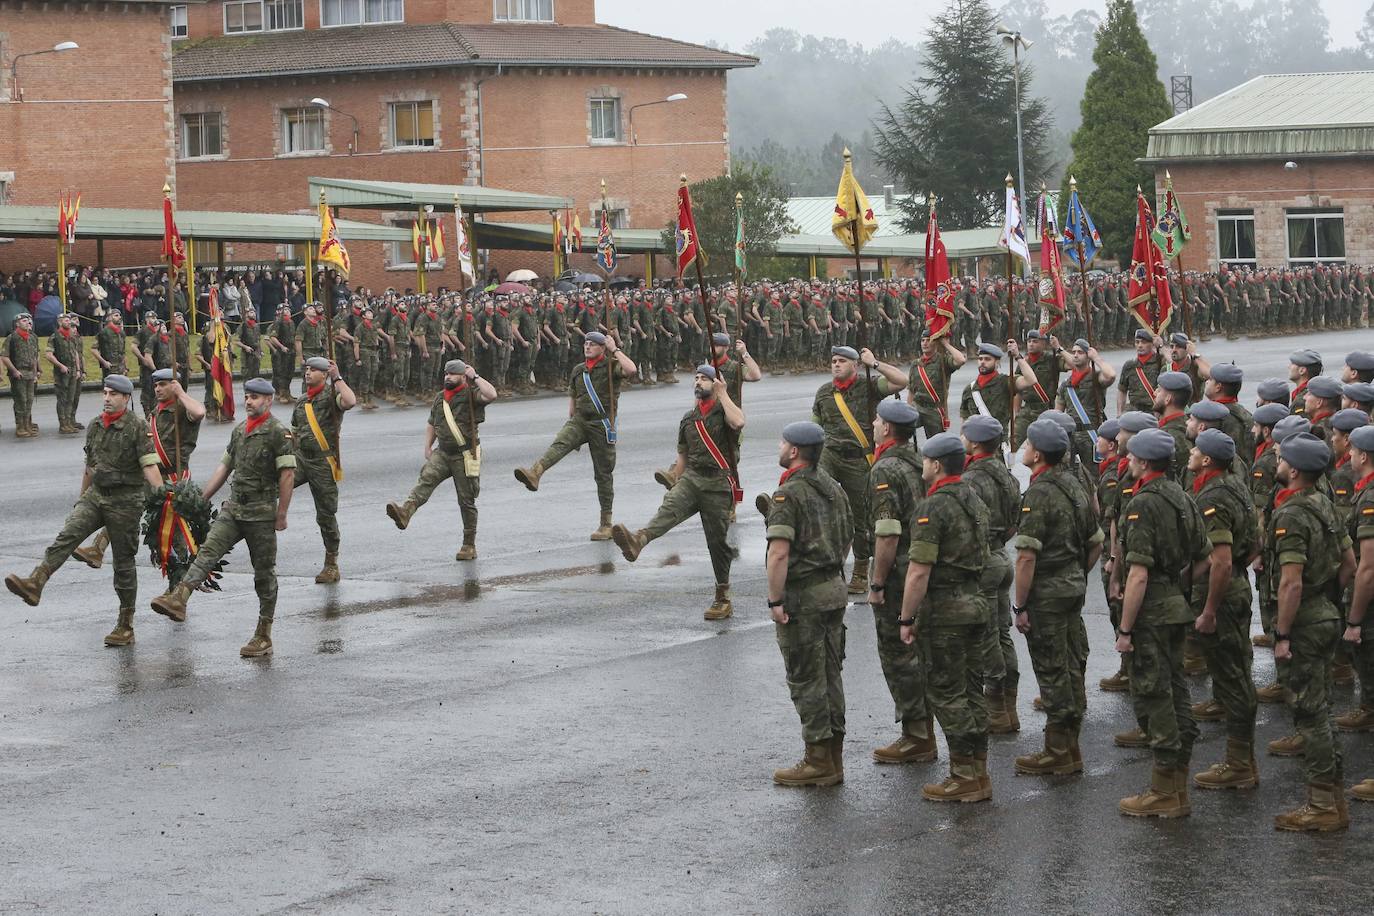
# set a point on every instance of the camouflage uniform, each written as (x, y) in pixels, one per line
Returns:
(448, 460)
(1262, 486)
(65, 346)
(1138, 397)
(111, 345)
(844, 457)
(1000, 492)
(938, 369)
(1361, 528)
(22, 350)
(585, 427)
(283, 330)
(312, 460)
(250, 336)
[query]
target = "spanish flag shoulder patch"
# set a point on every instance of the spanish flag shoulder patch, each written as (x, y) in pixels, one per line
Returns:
(1133, 516)
(1368, 510)
(779, 497)
(923, 520)
(1210, 510)
(883, 486)
(1279, 532)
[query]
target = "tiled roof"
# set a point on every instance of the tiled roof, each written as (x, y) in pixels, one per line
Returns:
(444, 44)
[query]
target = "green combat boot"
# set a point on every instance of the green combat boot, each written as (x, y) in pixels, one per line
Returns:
(1162, 799)
(721, 607)
(530, 476)
(123, 633)
(630, 544)
(261, 643)
(666, 478)
(603, 531)
(1237, 771)
(964, 783)
(916, 745)
(1324, 812)
(173, 603)
(31, 588)
(469, 549)
(1056, 759)
(816, 768)
(94, 555)
(400, 514)
(329, 573)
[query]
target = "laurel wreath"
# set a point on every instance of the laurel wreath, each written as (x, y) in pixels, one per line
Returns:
(191, 505)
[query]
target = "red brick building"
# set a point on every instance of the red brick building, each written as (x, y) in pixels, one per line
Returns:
(520, 94)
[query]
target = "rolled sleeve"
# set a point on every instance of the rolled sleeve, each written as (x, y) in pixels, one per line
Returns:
(924, 552)
(147, 461)
(780, 533)
(1026, 542)
(286, 461)
(887, 528)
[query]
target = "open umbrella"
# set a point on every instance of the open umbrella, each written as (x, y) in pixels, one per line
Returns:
(9, 310)
(518, 276)
(45, 316)
(509, 287)
(587, 278)
(560, 286)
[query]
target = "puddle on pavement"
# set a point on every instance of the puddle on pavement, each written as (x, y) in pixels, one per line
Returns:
(468, 590)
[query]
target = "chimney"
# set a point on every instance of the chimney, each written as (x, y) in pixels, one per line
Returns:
(889, 190)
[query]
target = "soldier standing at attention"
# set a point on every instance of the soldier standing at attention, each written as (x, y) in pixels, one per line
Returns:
(310, 340)
(1171, 405)
(453, 424)
(844, 407)
(366, 340)
(1222, 598)
(315, 432)
(949, 548)
(703, 483)
(898, 486)
(1135, 387)
(1303, 366)
(1359, 630)
(262, 461)
(928, 383)
(64, 354)
(1000, 492)
(111, 347)
(988, 394)
(1057, 541)
(1037, 377)
(282, 338)
(145, 351)
(1082, 395)
(20, 359)
(808, 531)
(120, 465)
(1223, 387)
(591, 422)
(250, 345)
(1164, 538)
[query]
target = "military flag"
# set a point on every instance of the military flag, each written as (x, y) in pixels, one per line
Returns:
(1014, 228)
(1148, 291)
(605, 243)
(221, 372)
(1079, 230)
(436, 239)
(173, 248)
(67, 211)
(853, 222)
(1051, 285)
(939, 297)
(577, 231)
(741, 258)
(1172, 231)
(464, 252)
(332, 250)
(685, 238)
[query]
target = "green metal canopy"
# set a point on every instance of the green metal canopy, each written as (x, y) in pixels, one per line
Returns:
(539, 237)
(959, 243)
(201, 225)
(400, 195)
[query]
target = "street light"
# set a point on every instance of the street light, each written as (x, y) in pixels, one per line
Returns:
(675, 97)
(14, 65)
(322, 103)
(1018, 42)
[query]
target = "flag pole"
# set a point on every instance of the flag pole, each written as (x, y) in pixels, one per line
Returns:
(1178, 264)
(610, 370)
(468, 316)
(1083, 288)
(739, 293)
(1011, 335)
(859, 273)
(707, 308)
(176, 376)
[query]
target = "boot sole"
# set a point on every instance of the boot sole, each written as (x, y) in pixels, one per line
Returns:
(1071, 769)
(717, 616)
(524, 478)
(167, 612)
(893, 761)
(12, 583)
(1202, 785)
(393, 513)
(979, 796)
(1355, 728)
(621, 535)
(263, 654)
(118, 643)
(1332, 828)
(1164, 815)
(92, 562)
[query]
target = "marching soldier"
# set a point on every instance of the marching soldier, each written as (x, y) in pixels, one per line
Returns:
(20, 359)
(262, 462)
(703, 483)
(591, 422)
(111, 346)
(808, 531)
(928, 383)
(453, 424)
(315, 434)
(120, 465)
(844, 407)
(949, 549)
(988, 394)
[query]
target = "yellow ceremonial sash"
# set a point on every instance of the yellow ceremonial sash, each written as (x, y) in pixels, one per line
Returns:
(854, 426)
(472, 457)
(334, 467)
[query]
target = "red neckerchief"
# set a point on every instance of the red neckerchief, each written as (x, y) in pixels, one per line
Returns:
(704, 407)
(107, 418)
(252, 322)
(1033, 358)
(1343, 460)
(1321, 416)
(1262, 448)
(1178, 367)
(1077, 375)
(593, 363)
(1035, 474)
(1364, 482)
(984, 380)
(1149, 476)
(943, 481)
(367, 322)
(449, 393)
(163, 405)
(845, 386)
(24, 335)
(1297, 391)
(1104, 466)
(720, 362)
(1282, 496)
(312, 393)
(1201, 480)
(313, 321)
(181, 332)
(1227, 399)
(878, 451)
(163, 337)
(253, 423)
(1169, 416)
(65, 332)
(976, 457)
(789, 472)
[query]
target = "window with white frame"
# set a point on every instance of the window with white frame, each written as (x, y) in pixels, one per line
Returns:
(605, 118)
(1316, 235)
(524, 10)
(617, 217)
(360, 12)
(201, 135)
(263, 15)
(302, 130)
(178, 15)
(1236, 236)
(412, 124)
(401, 254)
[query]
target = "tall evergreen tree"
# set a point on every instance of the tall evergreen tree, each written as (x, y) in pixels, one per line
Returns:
(954, 134)
(1122, 101)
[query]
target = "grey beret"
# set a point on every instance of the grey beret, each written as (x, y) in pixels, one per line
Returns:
(981, 428)
(1324, 386)
(318, 363)
(1216, 444)
(1175, 381)
(942, 446)
(899, 412)
(119, 383)
(720, 340)
(1109, 429)
(1143, 334)
(803, 432)
(1359, 392)
(1178, 339)
(1290, 426)
(1349, 420)
(1066, 422)
(706, 370)
(1082, 344)
(1210, 411)
(1305, 357)
(846, 352)
(987, 349)
(596, 337)
(1135, 421)
(1227, 374)
(1034, 334)
(455, 367)
(258, 386)
(1269, 414)
(1305, 452)
(162, 375)
(1047, 436)
(1274, 389)
(1363, 438)
(1151, 445)
(1360, 361)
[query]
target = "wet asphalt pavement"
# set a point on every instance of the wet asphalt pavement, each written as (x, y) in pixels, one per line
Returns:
(552, 729)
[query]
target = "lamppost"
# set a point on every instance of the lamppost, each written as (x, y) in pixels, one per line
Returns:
(322, 103)
(14, 64)
(675, 97)
(1018, 42)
